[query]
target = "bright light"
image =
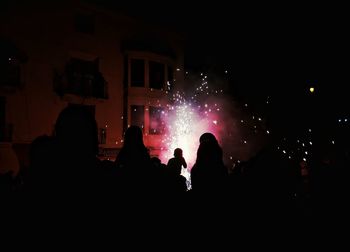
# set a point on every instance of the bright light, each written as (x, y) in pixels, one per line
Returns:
(312, 89)
(182, 134)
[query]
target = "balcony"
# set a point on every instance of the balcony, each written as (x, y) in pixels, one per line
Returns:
(81, 78)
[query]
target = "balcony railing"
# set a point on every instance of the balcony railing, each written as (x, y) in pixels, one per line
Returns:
(81, 78)
(81, 85)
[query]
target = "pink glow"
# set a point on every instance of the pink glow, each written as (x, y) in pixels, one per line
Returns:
(185, 124)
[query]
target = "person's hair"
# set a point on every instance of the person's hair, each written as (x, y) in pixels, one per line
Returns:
(76, 126)
(178, 152)
(133, 136)
(207, 137)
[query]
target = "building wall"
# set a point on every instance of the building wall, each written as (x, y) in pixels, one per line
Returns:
(48, 37)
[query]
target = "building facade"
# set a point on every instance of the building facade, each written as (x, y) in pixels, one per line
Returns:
(77, 54)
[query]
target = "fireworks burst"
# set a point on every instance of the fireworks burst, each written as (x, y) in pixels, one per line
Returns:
(187, 118)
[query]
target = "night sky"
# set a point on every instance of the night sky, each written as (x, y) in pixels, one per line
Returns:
(284, 44)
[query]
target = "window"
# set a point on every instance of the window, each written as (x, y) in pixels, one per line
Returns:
(84, 79)
(10, 72)
(85, 23)
(156, 126)
(102, 136)
(156, 75)
(137, 115)
(137, 72)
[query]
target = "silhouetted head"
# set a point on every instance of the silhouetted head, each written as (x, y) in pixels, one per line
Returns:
(76, 130)
(40, 149)
(207, 137)
(133, 136)
(156, 160)
(177, 152)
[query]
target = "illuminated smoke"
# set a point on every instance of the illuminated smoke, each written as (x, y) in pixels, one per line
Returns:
(192, 113)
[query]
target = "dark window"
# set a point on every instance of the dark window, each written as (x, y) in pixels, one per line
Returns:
(85, 23)
(156, 75)
(156, 120)
(137, 115)
(137, 73)
(84, 79)
(102, 136)
(10, 72)
(126, 72)
(170, 78)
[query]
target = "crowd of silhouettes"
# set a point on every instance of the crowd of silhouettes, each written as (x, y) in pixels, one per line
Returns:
(65, 169)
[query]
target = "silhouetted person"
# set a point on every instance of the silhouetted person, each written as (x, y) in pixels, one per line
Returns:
(9, 169)
(176, 182)
(209, 174)
(210, 138)
(38, 177)
(134, 153)
(76, 165)
(135, 171)
(207, 137)
(157, 163)
(176, 163)
(209, 178)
